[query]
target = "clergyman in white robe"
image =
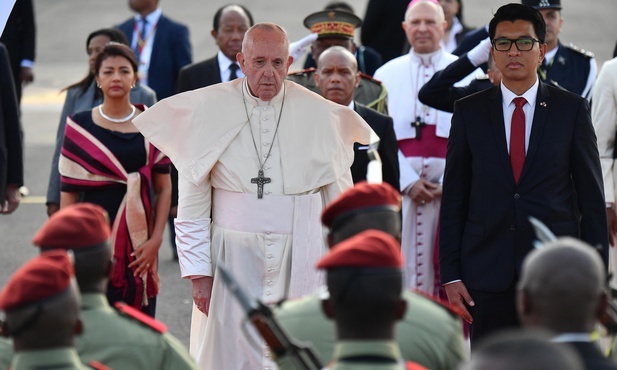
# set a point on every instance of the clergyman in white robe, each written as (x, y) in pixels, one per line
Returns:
(270, 245)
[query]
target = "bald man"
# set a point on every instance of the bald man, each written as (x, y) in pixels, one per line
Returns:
(562, 289)
(337, 78)
(529, 350)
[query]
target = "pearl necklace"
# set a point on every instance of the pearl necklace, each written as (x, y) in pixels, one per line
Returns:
(117, 120)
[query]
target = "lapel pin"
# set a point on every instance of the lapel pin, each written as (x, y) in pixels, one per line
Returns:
(543, 104)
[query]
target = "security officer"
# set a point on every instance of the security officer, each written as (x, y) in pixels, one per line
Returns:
(41, 303)
(429, 333)
(335, 27)
(122, 338)
(572, 68)
(365, 279)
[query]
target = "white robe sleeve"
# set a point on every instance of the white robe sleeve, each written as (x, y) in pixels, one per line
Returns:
(331, 191)
(604, 118)
(408, 176)
(193, 228)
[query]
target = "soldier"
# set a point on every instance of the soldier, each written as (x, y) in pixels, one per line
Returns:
(365, 280)
(41, 303)
(123, 339)
(335, 27)
(568, 66)
(428, 333)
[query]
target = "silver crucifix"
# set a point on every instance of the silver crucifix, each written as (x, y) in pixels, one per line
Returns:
(260, 180)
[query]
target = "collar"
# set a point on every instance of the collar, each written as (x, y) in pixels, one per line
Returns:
(426, 59)
(572, 337)
(255, 101)
(529, 95)
(94, 301)
(152, 18)
(225, 62)
(350, 348)
(65, 357)
(550, 55)
(352, 105)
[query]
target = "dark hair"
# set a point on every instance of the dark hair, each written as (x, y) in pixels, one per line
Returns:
(114, 35)
(459, 14)
(339, 5)
(219, 13)
(513, 12)
(114, 49)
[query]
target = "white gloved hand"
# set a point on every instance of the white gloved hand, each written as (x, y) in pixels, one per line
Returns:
(479, 54)
(297, 48)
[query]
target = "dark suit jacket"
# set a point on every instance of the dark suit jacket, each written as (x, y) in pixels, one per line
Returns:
(381, 28)
(592, 356)
(198, 75)
(388, 148)
(439, 91)
(19, 37)
(484, 227)
(11, 150)
(170, 52)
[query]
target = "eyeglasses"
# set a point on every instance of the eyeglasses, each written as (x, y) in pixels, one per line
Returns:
(523, 44)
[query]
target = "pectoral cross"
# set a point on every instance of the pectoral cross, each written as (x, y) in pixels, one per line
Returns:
(418, 124)
(260, 180)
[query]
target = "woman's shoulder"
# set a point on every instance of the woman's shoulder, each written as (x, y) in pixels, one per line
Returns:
(82, 118)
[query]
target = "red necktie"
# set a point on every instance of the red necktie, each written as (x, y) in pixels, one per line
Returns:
(517, 138)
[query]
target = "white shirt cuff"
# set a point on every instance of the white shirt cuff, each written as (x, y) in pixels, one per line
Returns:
(193, 243)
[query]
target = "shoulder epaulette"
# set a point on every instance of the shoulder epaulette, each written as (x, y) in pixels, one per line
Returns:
(453, 311)
(409, 365)
(370, 78)
(98, 366)
(141, 317)
(584, 52)
(302, 72)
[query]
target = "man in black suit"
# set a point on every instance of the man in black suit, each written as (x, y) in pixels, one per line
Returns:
(160, 44)
(337, 77)
(11, 150)
(567, 301)
(516, 150)
(229, 25)
(19, 37)
(382, 27)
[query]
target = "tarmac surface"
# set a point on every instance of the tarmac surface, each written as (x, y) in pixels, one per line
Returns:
(61, 60)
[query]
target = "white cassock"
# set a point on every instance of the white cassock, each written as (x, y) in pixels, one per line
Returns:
(604, 118)
(271, 245)
(403, 78)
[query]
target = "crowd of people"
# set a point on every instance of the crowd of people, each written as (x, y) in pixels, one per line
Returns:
(378, 200)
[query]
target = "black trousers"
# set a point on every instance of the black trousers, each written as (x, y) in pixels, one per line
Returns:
(492, 312)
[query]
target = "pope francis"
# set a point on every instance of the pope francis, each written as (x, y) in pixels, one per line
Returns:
(258, 157)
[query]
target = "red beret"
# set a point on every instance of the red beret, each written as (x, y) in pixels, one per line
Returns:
(43, 277)
(362, 195)
(80, 225)
(370, 248)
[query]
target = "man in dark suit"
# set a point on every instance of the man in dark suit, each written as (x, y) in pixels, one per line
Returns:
(567, 301)
(11, 145)
(382, 27)
(337, 77)
(19, 37)
(229, 25)
(516, 150)
(161, 46)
